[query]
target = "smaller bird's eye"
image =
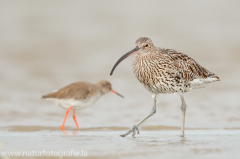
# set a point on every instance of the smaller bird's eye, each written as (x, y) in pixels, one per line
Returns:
(146, 45)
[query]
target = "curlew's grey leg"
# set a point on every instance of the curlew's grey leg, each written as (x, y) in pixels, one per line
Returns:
(183, 107)
(134, 129)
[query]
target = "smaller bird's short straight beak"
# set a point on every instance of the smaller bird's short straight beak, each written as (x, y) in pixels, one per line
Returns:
(116, 93)
(133, 51)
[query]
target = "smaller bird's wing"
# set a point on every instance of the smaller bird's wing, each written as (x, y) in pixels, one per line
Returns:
(185, 67)
(78, 91)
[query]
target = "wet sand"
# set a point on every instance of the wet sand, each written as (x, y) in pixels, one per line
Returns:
(106, 143)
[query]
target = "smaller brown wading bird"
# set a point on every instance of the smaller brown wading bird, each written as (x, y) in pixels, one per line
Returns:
(165, 71)
(78, 95)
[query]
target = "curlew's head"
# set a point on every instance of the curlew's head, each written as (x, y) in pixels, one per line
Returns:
(143, 45)
(106, 87)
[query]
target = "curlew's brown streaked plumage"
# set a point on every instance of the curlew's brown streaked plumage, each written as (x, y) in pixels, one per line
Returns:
(165, 71)
(78, 95)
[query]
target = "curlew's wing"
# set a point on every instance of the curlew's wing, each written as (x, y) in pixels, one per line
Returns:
(185, 67)
(79, 91)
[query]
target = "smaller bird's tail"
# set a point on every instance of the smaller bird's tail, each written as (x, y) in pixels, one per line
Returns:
(44, 98)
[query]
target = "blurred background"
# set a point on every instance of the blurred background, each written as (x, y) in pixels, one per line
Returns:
(45, 45)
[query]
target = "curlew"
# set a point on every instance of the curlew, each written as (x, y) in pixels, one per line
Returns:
(78, 95)
(165, 71)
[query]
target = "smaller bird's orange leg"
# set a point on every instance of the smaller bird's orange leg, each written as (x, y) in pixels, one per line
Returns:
(62, 126)
(74, 118)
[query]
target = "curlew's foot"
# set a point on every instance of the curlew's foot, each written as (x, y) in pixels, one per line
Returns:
(134, 129)
(182, 135)
(62, 127)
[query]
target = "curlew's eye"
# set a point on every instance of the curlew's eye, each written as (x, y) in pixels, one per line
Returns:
(146, 45)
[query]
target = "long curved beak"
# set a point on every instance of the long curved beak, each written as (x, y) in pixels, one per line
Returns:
(116, 93)
(134, 51)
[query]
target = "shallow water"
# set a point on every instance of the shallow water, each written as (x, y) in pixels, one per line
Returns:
(45, 45)
(106, 143)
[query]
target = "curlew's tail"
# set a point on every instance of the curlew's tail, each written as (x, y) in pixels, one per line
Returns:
(218, 79)
(203, 82)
